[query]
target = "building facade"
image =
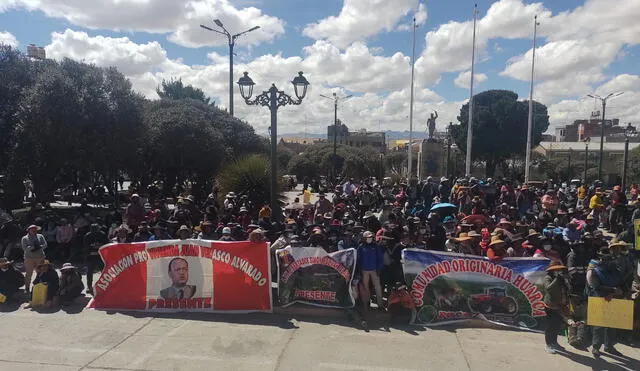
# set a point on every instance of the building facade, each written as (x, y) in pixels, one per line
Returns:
(360, 138)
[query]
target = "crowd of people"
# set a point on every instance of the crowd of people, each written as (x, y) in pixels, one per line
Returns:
(585, 230)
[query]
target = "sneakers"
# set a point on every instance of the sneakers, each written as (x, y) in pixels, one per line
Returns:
(613, 351)
(596, 353)
(558, 347)
(551, 350)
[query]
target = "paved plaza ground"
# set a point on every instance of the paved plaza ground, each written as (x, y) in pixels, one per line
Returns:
(82, 339)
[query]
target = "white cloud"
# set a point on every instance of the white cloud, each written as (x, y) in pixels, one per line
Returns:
(356, 70)
(8, 39)
(464, 79)
(360, 19)
(420, 15)
(180, 19)
(623, 107)
(449, 46)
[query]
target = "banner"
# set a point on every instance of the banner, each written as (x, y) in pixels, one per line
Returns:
(311, 275)
(450, 287)
(616, 313)
(184, 275)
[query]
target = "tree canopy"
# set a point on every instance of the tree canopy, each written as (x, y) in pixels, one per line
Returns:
(175, 89)
(352, 161)
(499, 127)
(71, 123)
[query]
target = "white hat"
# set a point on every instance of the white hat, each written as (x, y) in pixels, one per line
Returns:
(226, 230)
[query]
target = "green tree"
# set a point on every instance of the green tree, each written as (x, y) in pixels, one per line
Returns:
(351, 161)
(183, 143)
(499, 127)
(633, 167)
(175, 89)
(250, 176)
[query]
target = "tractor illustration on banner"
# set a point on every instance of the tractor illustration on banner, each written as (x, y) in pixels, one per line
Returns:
(493, 301)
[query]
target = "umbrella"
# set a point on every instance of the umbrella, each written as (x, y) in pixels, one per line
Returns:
(443, 205)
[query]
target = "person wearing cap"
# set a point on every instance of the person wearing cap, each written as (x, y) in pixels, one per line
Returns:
(159, 233)
(48, 276)
(71, 285)
(322, 206)
(556, 301)
(64, 237)
(184, 232)
(10, 279)
(464, 244)
(595, 204)
(496, 249)
(571, 234)
(257, 235)
(577, 263)
(135, 212)
(33, 245)
(590, 225)
(547, 251)
(121, 234)
(603, 280)
(92, 241)
(207, 233)
(371, 261)
(143, 233)
(226, 234)
(618, 201)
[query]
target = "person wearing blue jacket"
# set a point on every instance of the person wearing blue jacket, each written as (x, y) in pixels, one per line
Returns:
(371, 261)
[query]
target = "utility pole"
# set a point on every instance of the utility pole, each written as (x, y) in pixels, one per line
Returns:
(232, 43)
(604, 107)
(527, 161)
(413, 62)
(470, 121)
(335, 130)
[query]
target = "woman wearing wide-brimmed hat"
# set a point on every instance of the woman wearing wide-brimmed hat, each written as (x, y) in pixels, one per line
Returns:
(556, 301)
(33, 244)
(71, 285)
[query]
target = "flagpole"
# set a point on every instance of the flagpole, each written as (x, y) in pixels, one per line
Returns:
(413, 62)
(527, 161)
(470, 121)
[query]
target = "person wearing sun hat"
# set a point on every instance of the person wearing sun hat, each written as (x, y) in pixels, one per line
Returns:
(10, 279)
(34, 245)
(556, 301)
(71, 285)
(47, 275)
(603, 280)
(463, 244)
(497, 249)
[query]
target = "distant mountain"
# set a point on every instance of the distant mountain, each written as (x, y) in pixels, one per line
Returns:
(390, 134)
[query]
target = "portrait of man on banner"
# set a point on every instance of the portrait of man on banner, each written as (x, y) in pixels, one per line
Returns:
(178, 271)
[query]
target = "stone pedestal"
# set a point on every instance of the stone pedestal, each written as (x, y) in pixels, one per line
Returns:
(431, 152)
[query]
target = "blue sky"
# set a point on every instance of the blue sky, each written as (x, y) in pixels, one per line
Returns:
(360, 47)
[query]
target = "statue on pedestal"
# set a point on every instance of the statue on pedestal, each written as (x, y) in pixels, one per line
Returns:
(431, 125)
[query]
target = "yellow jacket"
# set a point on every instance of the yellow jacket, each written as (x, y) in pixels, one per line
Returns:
(595, 202)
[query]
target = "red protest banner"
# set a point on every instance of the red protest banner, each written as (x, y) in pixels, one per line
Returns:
(184, 275)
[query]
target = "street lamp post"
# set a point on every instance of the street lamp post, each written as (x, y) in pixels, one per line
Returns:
(569, 172)
(449, 128)
(527, 161)
(273, 99)
(586, 157)
(628, 133)
(232, 43)
(335, 100)
(604, 107)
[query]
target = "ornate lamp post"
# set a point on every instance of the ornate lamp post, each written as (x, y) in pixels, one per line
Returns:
(274, 99)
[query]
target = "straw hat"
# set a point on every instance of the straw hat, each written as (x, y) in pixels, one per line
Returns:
(67, 266)
(32, 226)
(556, 267)
(463, 237)
(532, 233)
(616, 243)
(495, 240)
(4, 262)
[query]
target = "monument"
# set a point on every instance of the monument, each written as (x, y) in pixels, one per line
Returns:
(431, 151)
